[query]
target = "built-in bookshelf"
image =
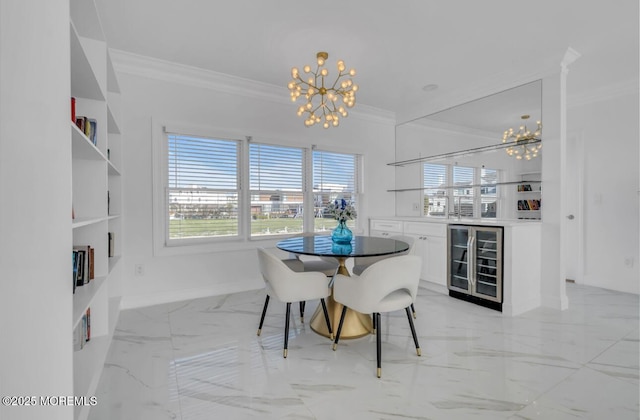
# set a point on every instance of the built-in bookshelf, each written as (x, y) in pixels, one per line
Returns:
(97, 197)
(529, 196)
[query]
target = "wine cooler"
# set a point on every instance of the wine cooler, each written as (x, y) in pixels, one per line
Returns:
(475, 264)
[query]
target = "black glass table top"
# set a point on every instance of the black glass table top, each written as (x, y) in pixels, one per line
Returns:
(360, 246)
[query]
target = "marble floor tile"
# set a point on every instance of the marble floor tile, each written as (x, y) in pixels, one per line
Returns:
(202, 359)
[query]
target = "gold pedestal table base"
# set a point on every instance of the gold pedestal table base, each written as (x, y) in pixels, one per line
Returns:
(355, 324)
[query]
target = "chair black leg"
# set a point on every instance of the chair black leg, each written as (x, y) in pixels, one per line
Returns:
(286, 330)
(413, 331)
(378, 345)
(302, 306)
(264, 312)
(373, 319)
(335, 343)
(413, 310)
(326, 317)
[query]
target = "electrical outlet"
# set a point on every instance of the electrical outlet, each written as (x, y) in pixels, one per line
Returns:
(139, 270)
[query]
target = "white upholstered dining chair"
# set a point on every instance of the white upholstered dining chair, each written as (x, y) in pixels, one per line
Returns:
(326, 265)
(387, 285)
(361, 263)
(289, 286)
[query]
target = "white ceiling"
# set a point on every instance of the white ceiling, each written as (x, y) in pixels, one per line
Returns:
(396, 47)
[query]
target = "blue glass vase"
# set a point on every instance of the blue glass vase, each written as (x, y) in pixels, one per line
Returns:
(342, 234)
(341, 249)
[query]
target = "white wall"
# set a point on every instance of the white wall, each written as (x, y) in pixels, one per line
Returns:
(35, 212)
(608, 130)
(155, 96)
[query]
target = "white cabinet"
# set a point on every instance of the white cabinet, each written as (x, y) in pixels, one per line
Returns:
(96, 192)
(430, 244)
(385, 228)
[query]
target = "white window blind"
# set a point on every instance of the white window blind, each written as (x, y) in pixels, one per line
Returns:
(435, 196)
(202, 187)
(276, 181)
(335, 176)
(488, 193)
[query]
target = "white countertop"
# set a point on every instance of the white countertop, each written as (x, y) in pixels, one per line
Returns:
(462, 221)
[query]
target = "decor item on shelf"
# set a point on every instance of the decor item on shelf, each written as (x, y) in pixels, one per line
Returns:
(321, 97)
(341, 211)
(526, 143)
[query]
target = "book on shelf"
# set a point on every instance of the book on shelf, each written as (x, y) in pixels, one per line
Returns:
(111, 244)
(82, 333)
(80, 123)
(78, 264)
(88, 332)
(83, 259)
(524, 187)
(92, 271)
(529, 204)
(93, 131)
(74, 260)
(73, 109)
(89, 127)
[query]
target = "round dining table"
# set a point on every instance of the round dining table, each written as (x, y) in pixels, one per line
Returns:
(355, 323)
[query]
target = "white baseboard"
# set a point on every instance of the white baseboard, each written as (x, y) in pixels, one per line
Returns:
(522, 307)
(434, 287)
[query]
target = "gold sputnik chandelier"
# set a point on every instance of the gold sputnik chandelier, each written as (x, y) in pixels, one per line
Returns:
(321, 96)
(526, 144)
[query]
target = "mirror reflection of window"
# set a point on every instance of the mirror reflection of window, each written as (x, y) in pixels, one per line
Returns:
(435, 193)
(463, 191)
(488, 193)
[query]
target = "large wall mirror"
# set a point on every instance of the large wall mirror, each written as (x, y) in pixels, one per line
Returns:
(468, 136)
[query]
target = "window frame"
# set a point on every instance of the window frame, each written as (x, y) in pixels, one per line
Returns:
(244, 239)
(171, 242)
(248, 172)
(357, 185)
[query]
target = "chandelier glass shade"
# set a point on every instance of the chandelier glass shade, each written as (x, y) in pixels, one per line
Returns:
(325, 102)
(526, 144)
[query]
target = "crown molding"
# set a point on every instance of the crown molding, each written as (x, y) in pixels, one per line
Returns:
(170, 72)
(604, 93)
(450, 128)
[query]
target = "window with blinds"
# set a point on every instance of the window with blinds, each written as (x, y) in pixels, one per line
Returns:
(202, 187)
(276, 180)
(335, 176)
(435, 195)
(488, 193)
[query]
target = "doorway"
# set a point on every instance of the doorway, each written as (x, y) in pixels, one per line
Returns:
(574, 224)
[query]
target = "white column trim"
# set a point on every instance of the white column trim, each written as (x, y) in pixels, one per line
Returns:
(570, 56)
